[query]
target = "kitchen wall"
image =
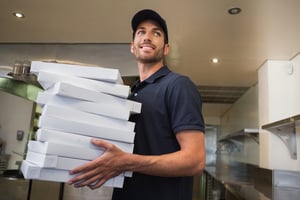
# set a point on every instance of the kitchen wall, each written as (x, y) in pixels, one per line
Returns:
(237, 153)
(242, 114)
(15, 115)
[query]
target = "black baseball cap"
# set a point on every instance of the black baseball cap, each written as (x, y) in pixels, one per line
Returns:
(147, 14)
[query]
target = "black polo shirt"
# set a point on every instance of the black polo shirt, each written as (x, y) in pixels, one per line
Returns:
(170, 103)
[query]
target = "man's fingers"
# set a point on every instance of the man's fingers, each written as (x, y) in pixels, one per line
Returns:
(101, 143)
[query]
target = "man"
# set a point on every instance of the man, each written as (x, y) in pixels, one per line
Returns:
(169, 145)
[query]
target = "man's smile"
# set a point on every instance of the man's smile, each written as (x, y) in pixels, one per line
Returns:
(147, 47)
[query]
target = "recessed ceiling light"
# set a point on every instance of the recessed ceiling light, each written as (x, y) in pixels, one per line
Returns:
(215, 60)
(234, 10)
(18, 14)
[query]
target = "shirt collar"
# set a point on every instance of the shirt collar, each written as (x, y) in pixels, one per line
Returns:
(163, 71)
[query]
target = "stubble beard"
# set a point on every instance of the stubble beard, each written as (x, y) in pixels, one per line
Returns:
(149, 60)
(158, 57)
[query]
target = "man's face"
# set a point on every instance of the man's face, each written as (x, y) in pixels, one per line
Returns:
(148, 44)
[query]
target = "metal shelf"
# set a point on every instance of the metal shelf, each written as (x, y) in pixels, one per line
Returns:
(235, 140)
(246, 132)
(286, 130)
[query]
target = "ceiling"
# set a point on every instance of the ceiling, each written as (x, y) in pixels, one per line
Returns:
(198, 31)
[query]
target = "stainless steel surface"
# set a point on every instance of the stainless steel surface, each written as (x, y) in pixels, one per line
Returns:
(286, 179)
(21, 69)
(275, 185)
(283, 193)
(241, 177)
(13, 189)
(233, 175)
(246, 132)
(211, 144)
(221, 94)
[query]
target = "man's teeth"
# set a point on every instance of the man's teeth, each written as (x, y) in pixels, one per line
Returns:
(146, 47)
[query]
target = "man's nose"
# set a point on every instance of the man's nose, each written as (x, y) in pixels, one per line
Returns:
(147, 37)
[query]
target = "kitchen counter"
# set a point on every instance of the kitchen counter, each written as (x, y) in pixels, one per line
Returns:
(244, 179)
(227, 175)
(12, 187)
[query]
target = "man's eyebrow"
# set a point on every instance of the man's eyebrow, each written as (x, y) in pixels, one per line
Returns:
(155, 28)
(158, 29)
(140, 27)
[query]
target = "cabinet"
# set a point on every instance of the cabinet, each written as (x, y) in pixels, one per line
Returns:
(279, 110)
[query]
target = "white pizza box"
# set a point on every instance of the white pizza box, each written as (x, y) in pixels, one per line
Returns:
(32, 171)
(54, 161)
(84, 71)
(103, 108)
(117, 109)
(58, 162)
(88, 118)
(65, 150)
(46, 135)
(48, 79)
(82, 128)
(66, 89)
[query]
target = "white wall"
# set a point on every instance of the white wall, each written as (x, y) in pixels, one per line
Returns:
(243, 114)
(15, 114)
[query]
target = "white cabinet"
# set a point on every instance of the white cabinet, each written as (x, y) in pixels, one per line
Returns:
(279, 107)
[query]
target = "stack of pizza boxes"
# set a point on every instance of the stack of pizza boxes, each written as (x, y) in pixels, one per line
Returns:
(78, 103)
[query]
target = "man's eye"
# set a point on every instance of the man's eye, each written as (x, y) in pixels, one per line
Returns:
(140, 32)
(157, 34)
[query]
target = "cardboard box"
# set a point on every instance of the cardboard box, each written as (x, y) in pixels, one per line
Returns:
(107, 107)
(53, 161)
(32, 171)
(65, 150)
(82, 128)
(48, 79)
(88, 118)
(46, 135)
(58, 162)
(84, 71)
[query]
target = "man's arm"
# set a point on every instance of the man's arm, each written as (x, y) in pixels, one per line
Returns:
(188, 161)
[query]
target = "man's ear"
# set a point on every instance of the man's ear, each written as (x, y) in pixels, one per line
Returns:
(131, 47)
(166, 49)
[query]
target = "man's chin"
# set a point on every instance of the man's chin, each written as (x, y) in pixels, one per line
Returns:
(148, 60)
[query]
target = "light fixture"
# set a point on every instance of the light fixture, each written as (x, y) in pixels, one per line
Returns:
(215, 60)
(18, 14)
(234, 10)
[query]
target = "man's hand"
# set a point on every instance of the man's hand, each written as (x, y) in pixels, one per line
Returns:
(96, 172)
(188, 161)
